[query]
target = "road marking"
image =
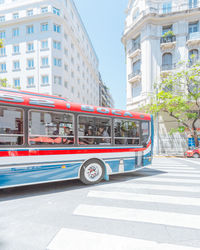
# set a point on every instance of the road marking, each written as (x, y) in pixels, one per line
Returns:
(169, 164)
(175, 168)
(165, 179)
(140, 215)
(140, 186)
(193, 175)
(171, 170)
(195, 162)
(145, 198)
(71, 239)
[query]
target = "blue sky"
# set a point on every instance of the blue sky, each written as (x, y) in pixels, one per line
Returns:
(104, 22)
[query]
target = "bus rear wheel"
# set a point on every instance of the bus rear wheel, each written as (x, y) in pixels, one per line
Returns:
(92, 172)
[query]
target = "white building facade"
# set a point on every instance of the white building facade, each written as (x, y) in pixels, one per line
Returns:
(47, 50)
(150, 54)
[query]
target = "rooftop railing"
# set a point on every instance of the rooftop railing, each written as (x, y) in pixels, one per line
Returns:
(161, 11)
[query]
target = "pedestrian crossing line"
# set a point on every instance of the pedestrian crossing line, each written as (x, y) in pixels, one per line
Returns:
(184, 175)
(145, 198)
(195, 162)
(170, 165)
(139, 215)
(170, 171)
(72, 239)
(175, 168)
(141, 186)
(170, 180)
(168, 174)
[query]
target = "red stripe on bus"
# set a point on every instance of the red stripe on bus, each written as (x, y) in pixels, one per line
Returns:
(38, 152)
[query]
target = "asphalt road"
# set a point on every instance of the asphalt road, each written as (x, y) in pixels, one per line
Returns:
(155, 208)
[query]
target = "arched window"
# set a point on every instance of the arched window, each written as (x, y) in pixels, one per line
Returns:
(193, 56)
(167, 61)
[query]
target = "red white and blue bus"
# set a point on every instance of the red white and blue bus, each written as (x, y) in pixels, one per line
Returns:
(45, 138)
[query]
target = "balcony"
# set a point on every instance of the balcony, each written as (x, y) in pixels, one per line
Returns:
(168, 67)
(134, 51)
(168, 42)
(134, 76)
(193, 39)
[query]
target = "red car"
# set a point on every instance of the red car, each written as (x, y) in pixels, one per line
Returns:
(195, 153)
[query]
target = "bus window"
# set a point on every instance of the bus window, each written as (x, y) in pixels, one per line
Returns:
(126, 132)
(11, 126)
(144, 133)
(94, 130)
(50, 128)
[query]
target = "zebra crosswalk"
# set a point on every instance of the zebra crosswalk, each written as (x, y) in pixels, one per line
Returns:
(130, 201)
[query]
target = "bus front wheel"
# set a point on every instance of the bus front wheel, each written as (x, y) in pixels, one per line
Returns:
(92, 172)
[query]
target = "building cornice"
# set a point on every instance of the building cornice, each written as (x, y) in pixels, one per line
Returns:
(149, 15)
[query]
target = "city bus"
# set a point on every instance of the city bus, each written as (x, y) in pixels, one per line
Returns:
(46, 138)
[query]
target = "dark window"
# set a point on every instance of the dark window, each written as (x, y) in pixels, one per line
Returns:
(167, 61)
(145, 132)
(193, 27)
(94, 130)
(50, 128)
(193, 56)
(126, 132)
(11, 126)
(165, 29)
(136, 67)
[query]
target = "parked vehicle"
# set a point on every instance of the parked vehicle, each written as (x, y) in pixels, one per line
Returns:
(195, 153)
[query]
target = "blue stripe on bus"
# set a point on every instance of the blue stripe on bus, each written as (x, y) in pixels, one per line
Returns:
(114, 165)
(129, 164)
(39, 174)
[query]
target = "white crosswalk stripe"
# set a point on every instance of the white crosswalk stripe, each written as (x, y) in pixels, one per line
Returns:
(139, 215)
(66, 239)
(168, 174)
(172, 168)
(193, 161)
(142, 186)
(145, 198)
(169, 165)
(170, 180)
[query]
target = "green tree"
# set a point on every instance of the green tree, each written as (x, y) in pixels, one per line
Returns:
(178, 95)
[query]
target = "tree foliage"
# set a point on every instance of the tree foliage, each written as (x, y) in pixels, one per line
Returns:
(178, 95)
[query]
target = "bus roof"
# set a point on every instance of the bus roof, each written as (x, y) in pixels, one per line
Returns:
(30, 99)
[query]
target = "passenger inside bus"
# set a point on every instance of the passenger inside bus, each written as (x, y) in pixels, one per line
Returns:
(102, 132)
(89, 133)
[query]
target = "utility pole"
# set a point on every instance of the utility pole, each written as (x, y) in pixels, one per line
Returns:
(157, 125)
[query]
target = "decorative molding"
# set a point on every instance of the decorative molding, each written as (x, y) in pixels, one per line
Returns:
(168, 46)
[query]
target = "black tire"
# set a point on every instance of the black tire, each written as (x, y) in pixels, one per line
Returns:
(195, 155)
(87, 176)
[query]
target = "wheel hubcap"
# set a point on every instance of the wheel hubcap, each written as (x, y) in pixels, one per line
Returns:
(93, 172)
